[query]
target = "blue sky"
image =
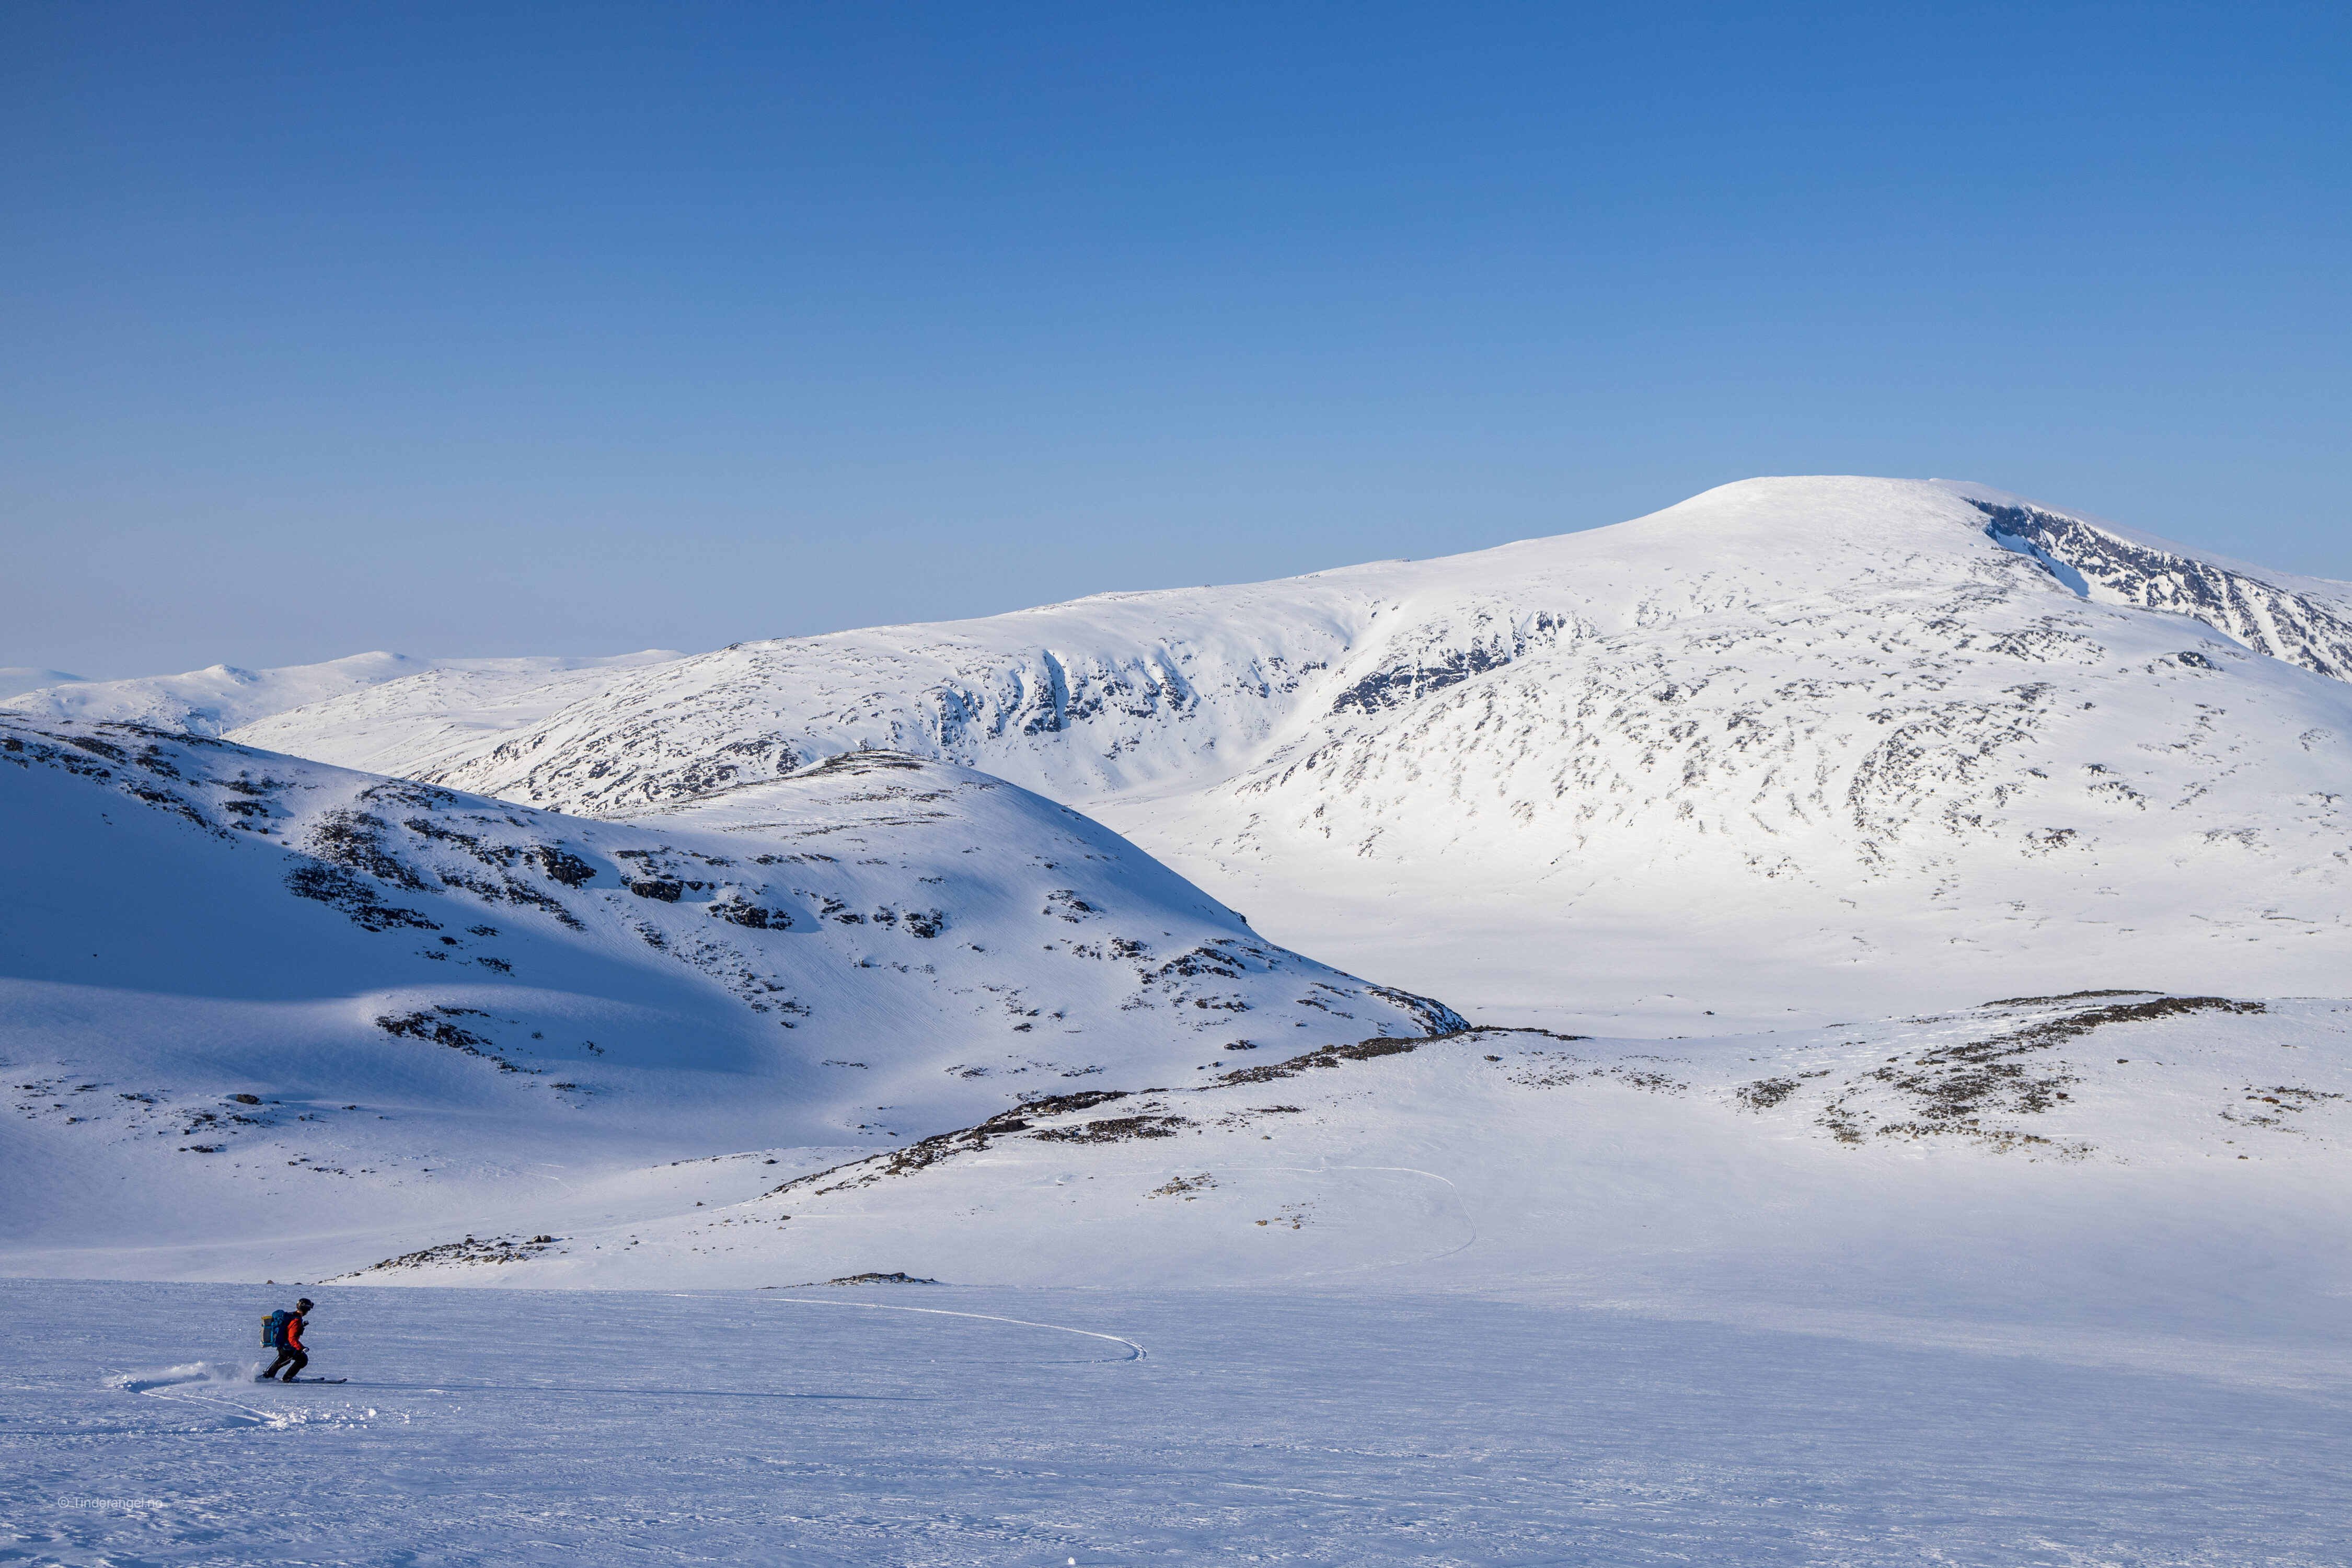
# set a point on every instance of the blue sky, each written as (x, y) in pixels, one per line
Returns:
(505, 328)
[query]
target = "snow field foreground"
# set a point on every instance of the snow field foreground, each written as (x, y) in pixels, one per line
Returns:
(2144, 1181)
(835, 1427)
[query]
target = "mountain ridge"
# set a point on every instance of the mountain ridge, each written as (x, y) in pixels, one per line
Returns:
(1778, 734)
(1767, 794)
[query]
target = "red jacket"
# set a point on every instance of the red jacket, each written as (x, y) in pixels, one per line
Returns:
(294, 1333)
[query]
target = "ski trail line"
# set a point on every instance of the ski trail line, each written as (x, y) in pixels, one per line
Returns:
(986, 1317)
(1468, 1223)
(163, 1391)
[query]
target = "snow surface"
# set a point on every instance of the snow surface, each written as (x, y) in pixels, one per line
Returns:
(1796, 749)
(1886, 1217)
(1585, 1301)
(432, 1000)
(928, 1426)
(436, 718)
(2030, 1159)
(469, 692)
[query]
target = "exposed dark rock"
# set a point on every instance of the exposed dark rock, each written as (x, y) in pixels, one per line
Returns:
(334, 886)
(563, 865)
(751, 915)
(2266, 618)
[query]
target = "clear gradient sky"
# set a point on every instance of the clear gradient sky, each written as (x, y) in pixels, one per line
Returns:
(484, 328)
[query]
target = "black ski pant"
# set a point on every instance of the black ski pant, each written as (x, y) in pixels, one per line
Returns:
(299, 1358)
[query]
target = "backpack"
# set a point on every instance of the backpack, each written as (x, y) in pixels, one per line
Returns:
(273, 1329)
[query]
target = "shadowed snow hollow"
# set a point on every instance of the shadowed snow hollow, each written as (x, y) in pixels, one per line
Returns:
(225, 973)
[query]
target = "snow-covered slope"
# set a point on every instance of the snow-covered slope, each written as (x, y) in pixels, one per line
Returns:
(1793, 755)
(806, 998)
(433, 720)
(2307, 621)
(426, 998)
(1805, 747)
(2026, 1159)
(473, 692)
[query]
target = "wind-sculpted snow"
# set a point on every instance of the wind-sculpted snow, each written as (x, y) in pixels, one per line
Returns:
(760, 711)
(1433, 660)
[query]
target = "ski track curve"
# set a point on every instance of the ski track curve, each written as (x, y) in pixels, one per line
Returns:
(1139, 1352)
(1461, 1209)
(162, 1388)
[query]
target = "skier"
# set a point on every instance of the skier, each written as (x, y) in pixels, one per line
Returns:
(286, 1338)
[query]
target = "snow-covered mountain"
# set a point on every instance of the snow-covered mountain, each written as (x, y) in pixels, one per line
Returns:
(1798, 754)
(266, 1016)
(1795, 748)
(225, 973)
(478, 693)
